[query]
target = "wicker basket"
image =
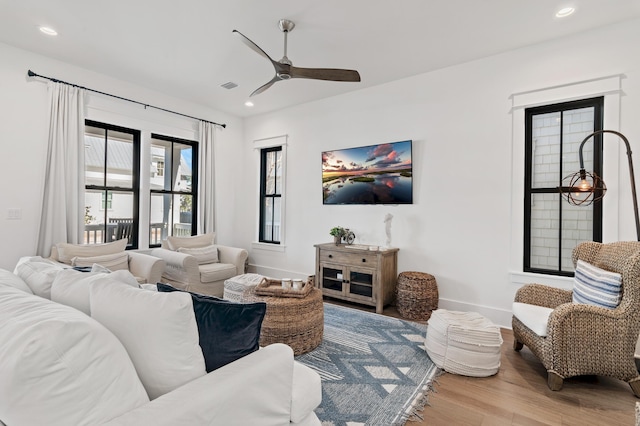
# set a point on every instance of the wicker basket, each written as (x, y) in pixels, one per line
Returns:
(298, 322)
(416, 295)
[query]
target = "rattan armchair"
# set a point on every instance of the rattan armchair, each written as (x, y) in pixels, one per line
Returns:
(584, 339)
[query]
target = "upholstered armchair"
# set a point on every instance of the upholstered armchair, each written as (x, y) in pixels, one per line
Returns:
(198, 265)
(573, 339)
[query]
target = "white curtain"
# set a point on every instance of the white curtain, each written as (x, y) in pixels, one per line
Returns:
(206, 192)
(62, 218)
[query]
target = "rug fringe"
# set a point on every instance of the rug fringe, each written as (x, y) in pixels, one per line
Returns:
(415, 412)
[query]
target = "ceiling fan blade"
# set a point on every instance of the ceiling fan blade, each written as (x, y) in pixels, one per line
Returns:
(265, 86)
(253, 46)
(331, 74)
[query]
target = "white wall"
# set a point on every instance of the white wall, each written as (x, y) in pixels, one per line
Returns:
(23, 140)
(460, 121)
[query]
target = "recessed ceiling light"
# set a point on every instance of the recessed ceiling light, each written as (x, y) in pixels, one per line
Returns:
(248, 103)
(49, 31)
(564, 12)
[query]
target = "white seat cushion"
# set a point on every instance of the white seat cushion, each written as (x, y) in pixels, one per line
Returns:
(533, 316)
(59, 366)
(216, 272)
(158, 330)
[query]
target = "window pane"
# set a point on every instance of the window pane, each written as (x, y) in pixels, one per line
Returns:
(577, 226)
(94, 156)
(119, 159)
(184, 173)
(183, 226)
(278, 172)
(106, 225)
(578, 123)
(268, 219)
(159, 217)
(94, 218)
(160, 165)
(277, 203)
(544, 231)
(545, 170)
(270, 173)
(120, 216)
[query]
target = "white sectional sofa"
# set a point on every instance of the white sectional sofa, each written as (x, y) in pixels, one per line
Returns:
(133, 361)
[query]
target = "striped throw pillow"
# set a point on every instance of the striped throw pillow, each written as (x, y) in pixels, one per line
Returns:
(595, 286)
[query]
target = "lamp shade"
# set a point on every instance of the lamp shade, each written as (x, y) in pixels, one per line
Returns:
(582, 188)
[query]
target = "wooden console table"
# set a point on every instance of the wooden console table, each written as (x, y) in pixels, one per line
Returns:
(357, 274)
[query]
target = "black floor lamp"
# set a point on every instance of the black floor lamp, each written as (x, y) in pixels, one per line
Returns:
(583, 188)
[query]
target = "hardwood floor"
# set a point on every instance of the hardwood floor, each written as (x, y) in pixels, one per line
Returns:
(518, 395)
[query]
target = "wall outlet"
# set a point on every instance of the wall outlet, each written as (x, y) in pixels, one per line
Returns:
(14, 214)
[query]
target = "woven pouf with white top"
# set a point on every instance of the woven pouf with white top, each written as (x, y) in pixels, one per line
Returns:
(464, 343)
(233, 287)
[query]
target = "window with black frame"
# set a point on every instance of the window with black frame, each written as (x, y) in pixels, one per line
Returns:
(552, 226)
(270, 195)
(173, 187)
(112, 176)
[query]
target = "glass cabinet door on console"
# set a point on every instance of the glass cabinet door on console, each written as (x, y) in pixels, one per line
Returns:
(357, 274)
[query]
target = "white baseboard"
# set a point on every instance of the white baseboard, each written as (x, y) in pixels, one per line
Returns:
(270, 272)
(500, 317)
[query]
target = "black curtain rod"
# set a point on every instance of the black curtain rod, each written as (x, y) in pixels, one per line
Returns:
(55, 80)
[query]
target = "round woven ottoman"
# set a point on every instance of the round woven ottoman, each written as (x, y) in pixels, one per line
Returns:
(297, 322)
(416, 295)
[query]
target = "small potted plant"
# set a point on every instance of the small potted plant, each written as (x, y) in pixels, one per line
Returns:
(337, 232)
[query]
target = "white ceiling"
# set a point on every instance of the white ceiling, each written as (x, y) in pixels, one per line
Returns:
(186, 48)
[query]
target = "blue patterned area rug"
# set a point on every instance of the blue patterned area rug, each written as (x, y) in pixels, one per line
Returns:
(374, 368)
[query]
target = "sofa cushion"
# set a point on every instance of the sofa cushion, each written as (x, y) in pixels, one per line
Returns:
(158, 330)
(227, 330)
(212, 272)
(534, 317)
(204, 255)
(306, 392)
(596, 286)
(38, 274)
(174, 243)
(113, 262)
(71, 287)
(9, 279)
(66, 252)
(59, 366)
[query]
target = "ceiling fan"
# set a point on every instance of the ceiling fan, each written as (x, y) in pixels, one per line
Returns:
(285, 70)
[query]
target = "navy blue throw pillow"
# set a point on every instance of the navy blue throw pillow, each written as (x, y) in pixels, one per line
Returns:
(227, 330)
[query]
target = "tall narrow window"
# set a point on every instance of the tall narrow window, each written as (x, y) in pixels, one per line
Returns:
(553, 227)
(173, 187)
(111, 183)
(270, 194)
